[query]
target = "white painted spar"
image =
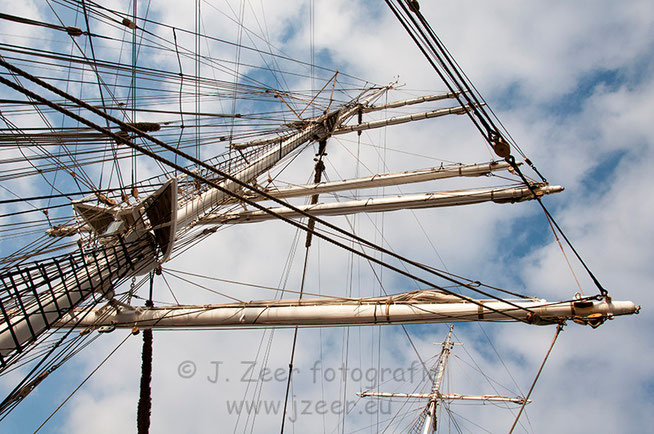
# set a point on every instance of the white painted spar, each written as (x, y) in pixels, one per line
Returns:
(364, 109)
(359, 312)
(402, 119)
(389, 179)
(443, 396)
(412, 101)
(429, 200)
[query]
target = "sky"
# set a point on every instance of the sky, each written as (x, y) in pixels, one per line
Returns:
(573, 84)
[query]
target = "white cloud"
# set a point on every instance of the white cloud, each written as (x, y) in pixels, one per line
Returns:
(543, 52)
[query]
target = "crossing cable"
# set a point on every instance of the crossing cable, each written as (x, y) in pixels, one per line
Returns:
(66, 195)
(197, 35)
(73, 31)
(219, 40)
(477, 113)
(18, 393)
(453, 71)
(84, 381)
(99, 81)
(457, 68)
(478, 110)
(319, 169)
(293, 345)
(132, 89)
(603, 292)
(249, 88)
(476, 94)
(145, 20)
(48, 155)
(483, 129)
(559, 327)
(245, 185)
(94, 66)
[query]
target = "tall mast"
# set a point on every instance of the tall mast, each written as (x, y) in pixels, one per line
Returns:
(435, 396)
(131, 240)
(430, 424)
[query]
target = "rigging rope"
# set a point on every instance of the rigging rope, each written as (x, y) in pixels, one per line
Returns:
(145, 392)
(603, 292)
(72, 31)
(237, 181)
(319, 169)
(452, 75)
(82, 383)
(559, 327)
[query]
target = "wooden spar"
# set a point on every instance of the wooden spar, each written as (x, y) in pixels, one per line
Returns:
(429, 200)
(321, 312)
(406, 102)
(375, 181)
(403, 119)
(444, 396)
(389, 179)
(364, 109)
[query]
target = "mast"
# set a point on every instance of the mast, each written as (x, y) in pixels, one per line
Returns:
(430, 424)
(126, 241)
(316, 130)
(142, 236)
(435, 397)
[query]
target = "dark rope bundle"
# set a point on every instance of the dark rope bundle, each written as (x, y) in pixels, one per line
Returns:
(145, 398)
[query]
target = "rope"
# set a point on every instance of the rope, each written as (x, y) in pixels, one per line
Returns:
(319, 168)
(433, 45)
(603, 292)
(72, 31)
(159, 158)
(559, 327)
(145, 398)
(572, 271)
(82, 383)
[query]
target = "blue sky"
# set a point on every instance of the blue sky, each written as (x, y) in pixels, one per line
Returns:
(574, 86)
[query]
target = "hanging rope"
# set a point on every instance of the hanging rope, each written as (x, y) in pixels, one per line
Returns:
(159, 158)
(319, 169)
(559, 327)
(82, 383)
(145, 399)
